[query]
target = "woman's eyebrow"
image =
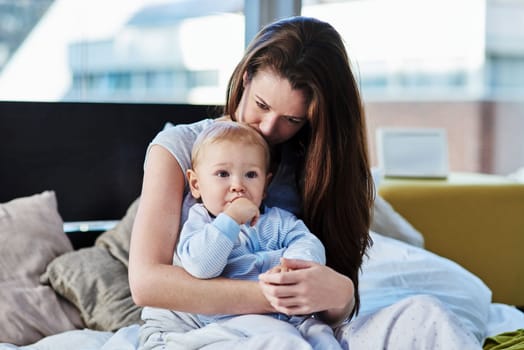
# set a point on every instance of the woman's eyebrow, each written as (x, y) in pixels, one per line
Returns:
(284, 115)
(262, 100)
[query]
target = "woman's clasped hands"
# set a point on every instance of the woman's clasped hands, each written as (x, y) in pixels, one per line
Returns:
(298, 287)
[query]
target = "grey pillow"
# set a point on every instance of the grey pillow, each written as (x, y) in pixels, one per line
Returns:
(95, 279)
(31, 236)
(97, 284)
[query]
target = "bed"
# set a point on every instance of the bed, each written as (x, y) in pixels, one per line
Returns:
(70, 176)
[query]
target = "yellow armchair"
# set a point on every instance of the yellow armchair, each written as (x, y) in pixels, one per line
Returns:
(476, 220)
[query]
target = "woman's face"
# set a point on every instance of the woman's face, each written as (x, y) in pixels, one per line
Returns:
(271, 106)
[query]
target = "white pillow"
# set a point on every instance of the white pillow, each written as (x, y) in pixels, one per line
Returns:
(390, 223)
(394, 270)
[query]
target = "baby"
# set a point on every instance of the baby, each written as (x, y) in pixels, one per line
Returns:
(230, 233)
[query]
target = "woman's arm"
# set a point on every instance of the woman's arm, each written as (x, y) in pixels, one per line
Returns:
(154, 281)
(310, 288)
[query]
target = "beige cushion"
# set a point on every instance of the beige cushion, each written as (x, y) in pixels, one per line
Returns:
(117, 240)
(96, 283)
(31, 235)
(95, 279)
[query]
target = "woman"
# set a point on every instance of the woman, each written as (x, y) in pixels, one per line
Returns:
(295, 86)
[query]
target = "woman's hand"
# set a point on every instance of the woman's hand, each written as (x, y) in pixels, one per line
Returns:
(307, 288)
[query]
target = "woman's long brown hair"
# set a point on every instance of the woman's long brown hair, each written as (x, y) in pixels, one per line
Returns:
(335, 180)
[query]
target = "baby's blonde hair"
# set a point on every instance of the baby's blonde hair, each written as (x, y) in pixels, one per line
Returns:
(237, 132)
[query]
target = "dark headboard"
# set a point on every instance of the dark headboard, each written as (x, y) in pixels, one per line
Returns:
(90, 154)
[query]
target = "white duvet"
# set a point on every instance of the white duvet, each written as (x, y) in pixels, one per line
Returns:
(393, 271)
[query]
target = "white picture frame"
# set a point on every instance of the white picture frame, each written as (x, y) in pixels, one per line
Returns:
(413, 152)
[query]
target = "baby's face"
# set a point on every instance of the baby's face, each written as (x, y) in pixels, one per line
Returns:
(228, 170)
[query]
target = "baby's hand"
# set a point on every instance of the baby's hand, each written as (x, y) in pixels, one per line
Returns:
(275, 269)
(280, 268)
(242, 210)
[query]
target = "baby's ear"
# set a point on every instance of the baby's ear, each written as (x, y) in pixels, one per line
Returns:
(268, 180)
(269, 176)
(192, 178)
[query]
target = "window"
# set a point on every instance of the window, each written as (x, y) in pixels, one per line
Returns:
(120, 51)
(185, 50)
(431, 49)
